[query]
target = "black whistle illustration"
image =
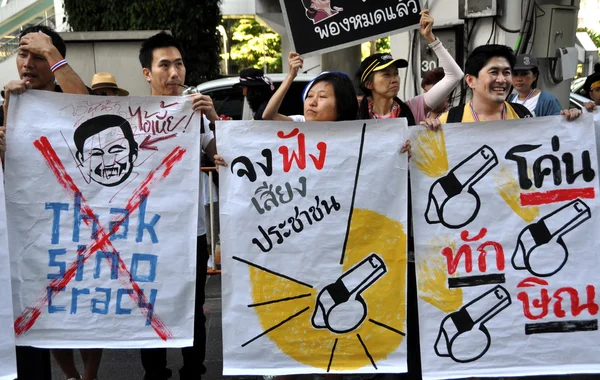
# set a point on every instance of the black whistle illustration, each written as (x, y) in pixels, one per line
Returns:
(340, 307)
(540, 248)
(463, 336)
(452, 200)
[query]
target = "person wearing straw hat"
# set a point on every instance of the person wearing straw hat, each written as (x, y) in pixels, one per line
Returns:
(105, 84)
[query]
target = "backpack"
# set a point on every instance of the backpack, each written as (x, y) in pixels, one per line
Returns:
(456, 113)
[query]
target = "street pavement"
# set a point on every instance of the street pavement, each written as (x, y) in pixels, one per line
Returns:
(126, 365)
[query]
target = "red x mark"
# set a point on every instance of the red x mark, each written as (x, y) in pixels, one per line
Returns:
(101, 242)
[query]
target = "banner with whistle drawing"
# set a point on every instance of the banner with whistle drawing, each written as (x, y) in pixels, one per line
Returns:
(505, 214)
(102, 200)
(313, 234)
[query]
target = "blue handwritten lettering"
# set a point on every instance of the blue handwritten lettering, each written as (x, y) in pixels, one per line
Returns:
(142, 225)
(56, 209)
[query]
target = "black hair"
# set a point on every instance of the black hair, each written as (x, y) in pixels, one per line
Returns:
(597, 68)
(481, 55)
(363, 107)
(363, 85)
(257, 95)
(345, 96)
(98, 124)
(535, 72)
(587, 86)
(359, 91)
(57, 40)
(157, 41)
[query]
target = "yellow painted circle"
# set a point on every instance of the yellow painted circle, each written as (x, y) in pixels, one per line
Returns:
(369, 232)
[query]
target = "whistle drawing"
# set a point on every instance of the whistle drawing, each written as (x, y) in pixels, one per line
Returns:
(540, 247)
(452, 200)
(463, 336)
(340, 307)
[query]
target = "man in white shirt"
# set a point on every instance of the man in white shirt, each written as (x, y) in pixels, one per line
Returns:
(162, 62)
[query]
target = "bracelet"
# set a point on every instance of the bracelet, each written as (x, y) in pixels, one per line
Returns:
(58, 65)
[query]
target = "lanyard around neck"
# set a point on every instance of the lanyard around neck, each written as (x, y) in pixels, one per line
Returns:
(476, 117)
(528, 96)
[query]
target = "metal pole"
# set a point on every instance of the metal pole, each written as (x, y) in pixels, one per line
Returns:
(212, 219)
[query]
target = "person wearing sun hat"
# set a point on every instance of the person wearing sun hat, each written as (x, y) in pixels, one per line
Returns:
(379, 79)
(524, 77)
(257, 88)
(105, 84)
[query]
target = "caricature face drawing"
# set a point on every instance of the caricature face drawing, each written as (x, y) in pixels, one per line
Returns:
(106, 149)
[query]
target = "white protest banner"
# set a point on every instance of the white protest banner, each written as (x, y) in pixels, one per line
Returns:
(102, 200)
(596, 114)
(8, 359)
(505, 219)
(313, 234)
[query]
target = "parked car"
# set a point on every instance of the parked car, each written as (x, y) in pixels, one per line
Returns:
(229, 101)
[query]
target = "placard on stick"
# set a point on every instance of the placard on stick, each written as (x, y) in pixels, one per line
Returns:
(317, 27)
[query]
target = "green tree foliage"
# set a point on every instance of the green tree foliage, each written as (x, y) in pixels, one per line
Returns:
(253, 45)
(193, 22)
(382, 45)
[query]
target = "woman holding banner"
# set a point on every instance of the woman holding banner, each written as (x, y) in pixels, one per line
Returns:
(379, 80)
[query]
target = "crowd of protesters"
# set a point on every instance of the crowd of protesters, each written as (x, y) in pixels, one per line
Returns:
(491, 72)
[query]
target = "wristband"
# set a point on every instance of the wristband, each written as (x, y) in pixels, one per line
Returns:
(58, 65)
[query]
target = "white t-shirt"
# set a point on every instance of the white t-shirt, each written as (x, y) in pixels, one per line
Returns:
(205, 139)
(531, 103)
(298, 118)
